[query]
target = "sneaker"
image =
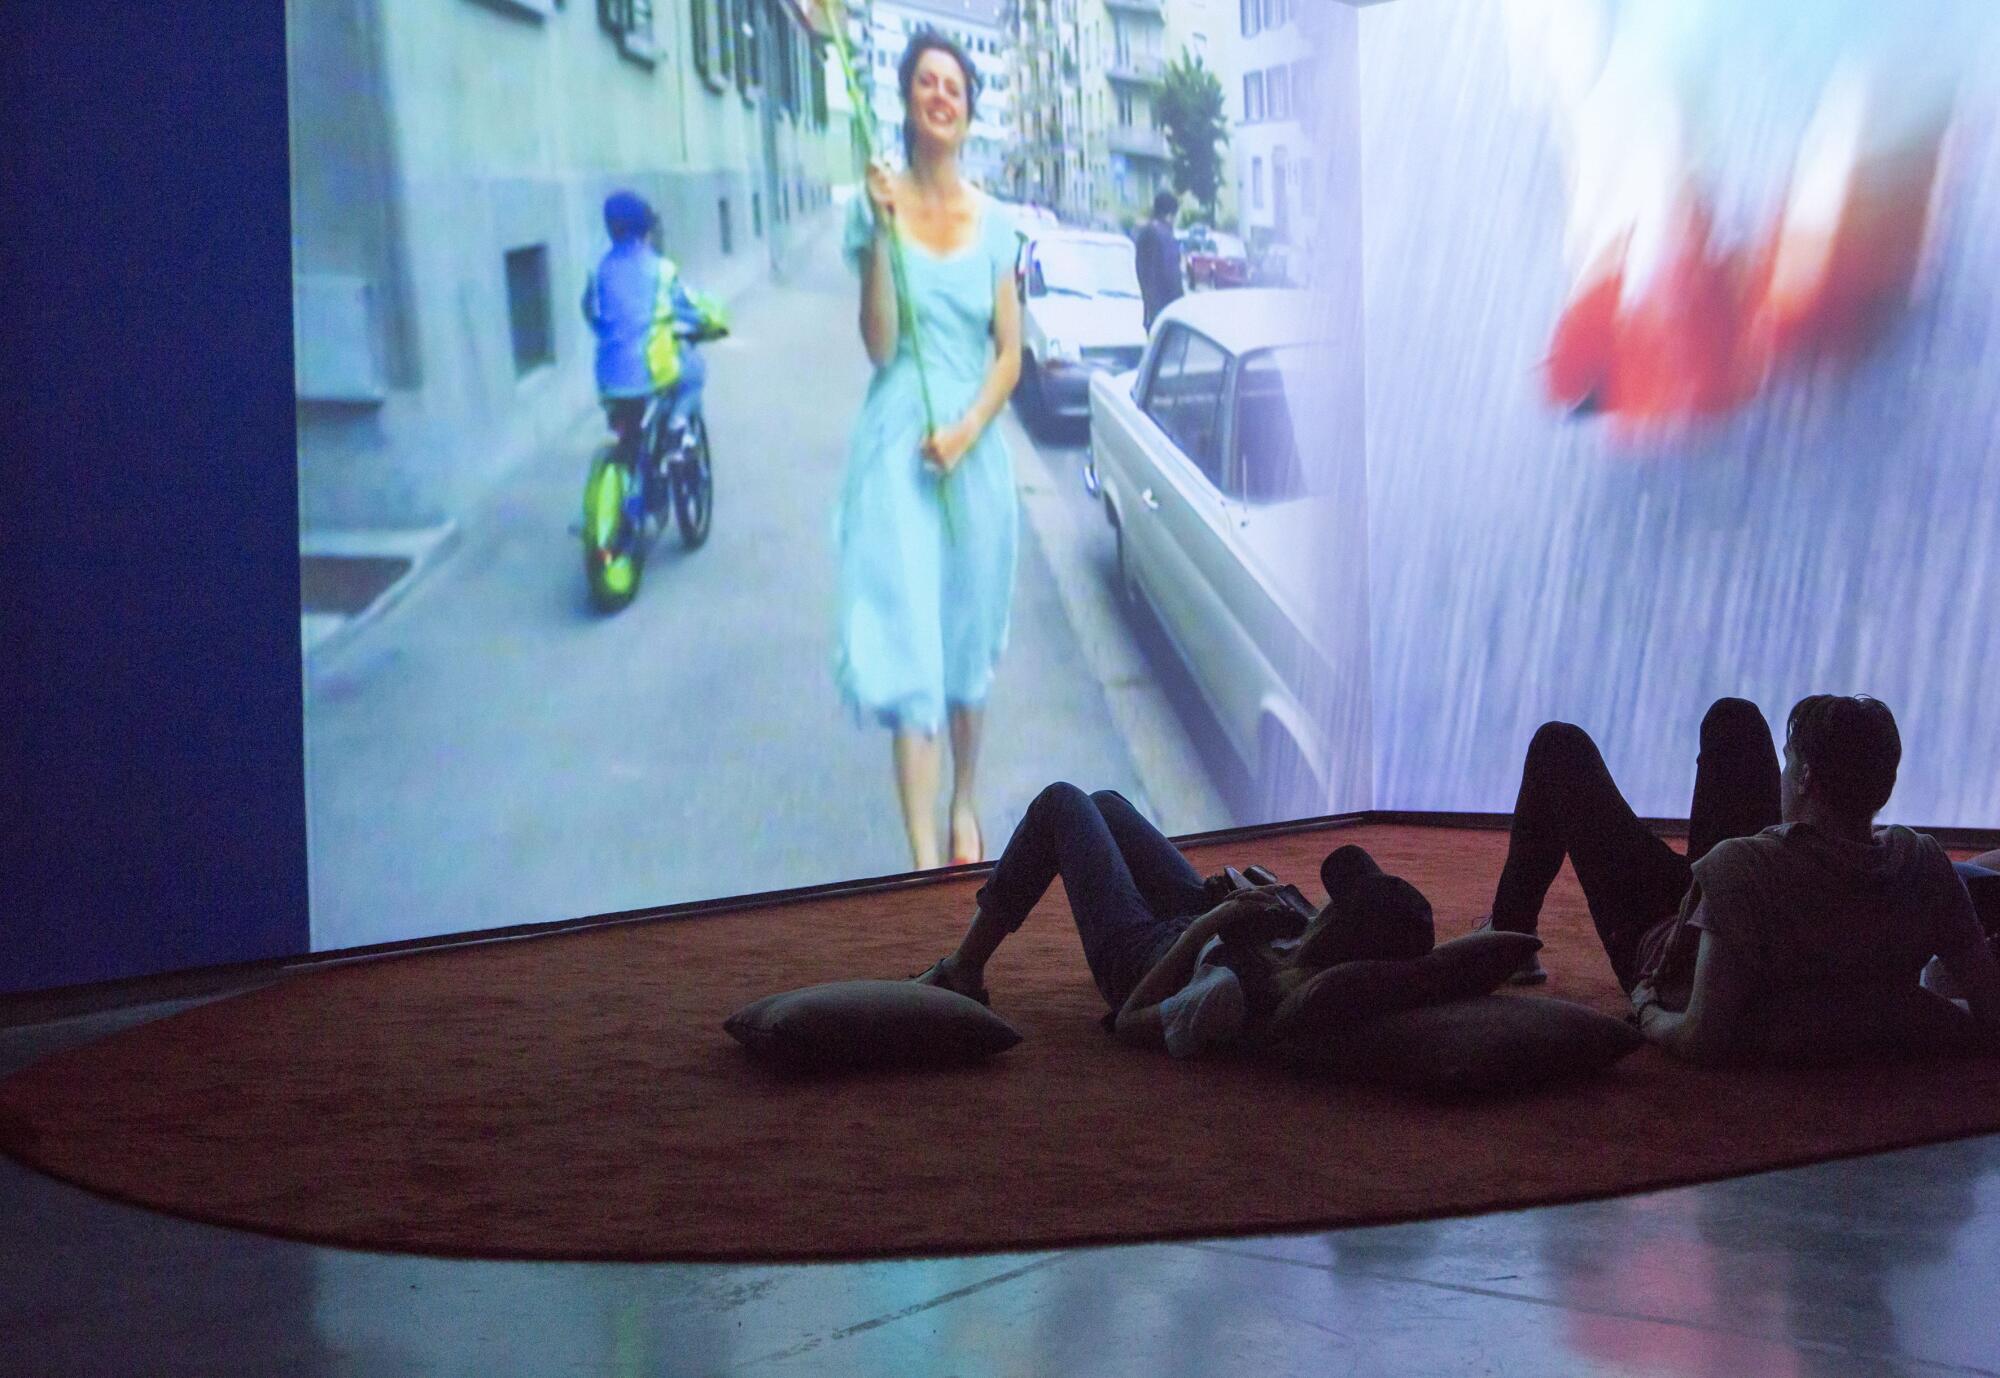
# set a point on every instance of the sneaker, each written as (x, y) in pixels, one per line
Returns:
(1530, 972)
(945, 977)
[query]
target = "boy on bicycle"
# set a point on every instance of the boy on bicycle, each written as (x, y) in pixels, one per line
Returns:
(645, 320)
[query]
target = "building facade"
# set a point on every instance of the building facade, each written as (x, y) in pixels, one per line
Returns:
(449, 162)
(1271, 91)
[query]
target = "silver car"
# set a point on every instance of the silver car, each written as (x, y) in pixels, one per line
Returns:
(1195, 459)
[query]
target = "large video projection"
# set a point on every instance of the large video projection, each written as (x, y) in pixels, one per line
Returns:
(1679, 323)
(1645, 360)
(497, 731)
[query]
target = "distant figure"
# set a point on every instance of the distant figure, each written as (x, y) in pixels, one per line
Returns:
(639, 309)
(1159, 258)
(1786, 885)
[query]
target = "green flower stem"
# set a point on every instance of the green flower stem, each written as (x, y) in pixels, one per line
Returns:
(899, 273)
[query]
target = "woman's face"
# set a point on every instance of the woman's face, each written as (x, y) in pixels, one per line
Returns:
(938, 101)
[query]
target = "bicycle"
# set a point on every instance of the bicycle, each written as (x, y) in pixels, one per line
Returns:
(625, 501)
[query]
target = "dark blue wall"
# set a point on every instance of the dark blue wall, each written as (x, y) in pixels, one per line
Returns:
(151, 786)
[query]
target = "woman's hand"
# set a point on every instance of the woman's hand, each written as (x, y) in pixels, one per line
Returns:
(882, 190)
(947, 445)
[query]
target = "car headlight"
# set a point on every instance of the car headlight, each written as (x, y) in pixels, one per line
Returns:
(1062, 353)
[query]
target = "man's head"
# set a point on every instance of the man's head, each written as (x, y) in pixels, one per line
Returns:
(626, 216)
(1165, 205)
(1841, 755)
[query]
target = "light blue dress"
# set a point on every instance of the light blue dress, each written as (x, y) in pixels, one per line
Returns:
(923, 607)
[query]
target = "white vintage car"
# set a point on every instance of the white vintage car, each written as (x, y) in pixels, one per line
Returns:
(1195, 459)
(1080, 314)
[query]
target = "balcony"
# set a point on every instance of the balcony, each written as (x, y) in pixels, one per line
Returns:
(1156, 9)
(1135, 141)
(1137, 71)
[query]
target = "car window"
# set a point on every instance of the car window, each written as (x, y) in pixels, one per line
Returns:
(1088, 268)
(1268, 468)
(1186, 398)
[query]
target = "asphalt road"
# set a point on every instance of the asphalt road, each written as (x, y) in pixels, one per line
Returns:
(489, 751)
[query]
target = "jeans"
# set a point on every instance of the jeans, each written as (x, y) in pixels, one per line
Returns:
(1569, 807)
(1131, 890)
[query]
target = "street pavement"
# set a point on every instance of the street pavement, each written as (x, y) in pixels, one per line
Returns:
(489, 751)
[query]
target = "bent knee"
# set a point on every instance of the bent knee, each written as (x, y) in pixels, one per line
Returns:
(1564, 738)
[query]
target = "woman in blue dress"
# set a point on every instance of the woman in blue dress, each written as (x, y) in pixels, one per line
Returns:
(927, 519)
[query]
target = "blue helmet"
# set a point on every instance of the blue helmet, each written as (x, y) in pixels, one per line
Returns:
(626, 215)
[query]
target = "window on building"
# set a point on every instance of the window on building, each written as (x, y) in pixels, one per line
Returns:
(1278, 93)
(1257, 183)
(631, 23)
(728, 238)
(1251, 10)
(528, 317)
(1253, 97)
(1304, 108)
(757, 214)
(1125, 108)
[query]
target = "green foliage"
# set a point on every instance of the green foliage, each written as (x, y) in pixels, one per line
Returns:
(1189, 108)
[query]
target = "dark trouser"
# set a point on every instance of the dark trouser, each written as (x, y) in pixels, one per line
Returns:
(1569, 807)
(1131, 890)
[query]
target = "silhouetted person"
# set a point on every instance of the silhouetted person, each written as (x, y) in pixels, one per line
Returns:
(1786, 885)
(1159, 258)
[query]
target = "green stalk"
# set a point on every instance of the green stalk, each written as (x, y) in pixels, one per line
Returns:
(906, 312)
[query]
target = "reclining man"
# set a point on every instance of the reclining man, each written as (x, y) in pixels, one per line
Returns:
(1786, 884)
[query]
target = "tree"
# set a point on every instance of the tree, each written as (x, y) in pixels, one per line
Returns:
(1190, 110)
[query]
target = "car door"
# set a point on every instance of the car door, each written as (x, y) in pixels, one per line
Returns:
(1270, 657)
(1190, 514)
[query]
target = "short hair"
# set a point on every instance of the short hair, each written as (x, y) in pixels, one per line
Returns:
(1851, 746)
(626, 216)
(1166, 203)
(928, 40)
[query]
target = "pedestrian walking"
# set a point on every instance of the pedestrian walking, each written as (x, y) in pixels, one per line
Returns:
(928, 519)
(1159, 258)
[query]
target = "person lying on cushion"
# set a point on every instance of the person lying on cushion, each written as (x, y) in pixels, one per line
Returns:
(1177, 969)
(1786, 885)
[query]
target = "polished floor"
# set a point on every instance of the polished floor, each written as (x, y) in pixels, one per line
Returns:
(1887, 1265)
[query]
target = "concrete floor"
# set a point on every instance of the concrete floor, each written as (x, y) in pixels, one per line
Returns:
(1878, 1266)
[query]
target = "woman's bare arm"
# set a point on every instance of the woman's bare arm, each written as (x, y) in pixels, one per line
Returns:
(950, 443)
(878, 278)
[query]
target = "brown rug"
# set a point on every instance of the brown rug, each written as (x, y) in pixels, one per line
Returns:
(575, 1097)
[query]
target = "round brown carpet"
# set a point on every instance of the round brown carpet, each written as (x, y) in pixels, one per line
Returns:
(575, 1097)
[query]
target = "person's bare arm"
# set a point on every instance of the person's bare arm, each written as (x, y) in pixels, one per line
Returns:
(949, 444)
(878, 278)
(1139, 1019)
(1706, 1031)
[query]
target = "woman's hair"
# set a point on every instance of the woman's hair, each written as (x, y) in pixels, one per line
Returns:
(925, 41)
(1850, 745)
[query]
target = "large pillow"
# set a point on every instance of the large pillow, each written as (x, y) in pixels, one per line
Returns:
(1817, 1028)
(1462, 1047)
(1353, 993)
(852, 1024)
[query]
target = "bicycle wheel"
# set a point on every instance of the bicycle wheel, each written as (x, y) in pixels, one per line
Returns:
(611, 555)
(694, 488)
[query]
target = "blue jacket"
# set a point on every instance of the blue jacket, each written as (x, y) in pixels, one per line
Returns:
(633, 302)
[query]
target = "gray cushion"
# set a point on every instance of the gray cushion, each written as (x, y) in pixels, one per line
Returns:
(1353, 993)
(1486, 1043)
(852, 1024)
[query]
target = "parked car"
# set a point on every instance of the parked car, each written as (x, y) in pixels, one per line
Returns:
(1216, 259)
(1080, 313)
(1281, 265)
(1195, 458)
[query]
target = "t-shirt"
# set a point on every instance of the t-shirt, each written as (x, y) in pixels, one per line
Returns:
(1209, 1011)
(1804, 910)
